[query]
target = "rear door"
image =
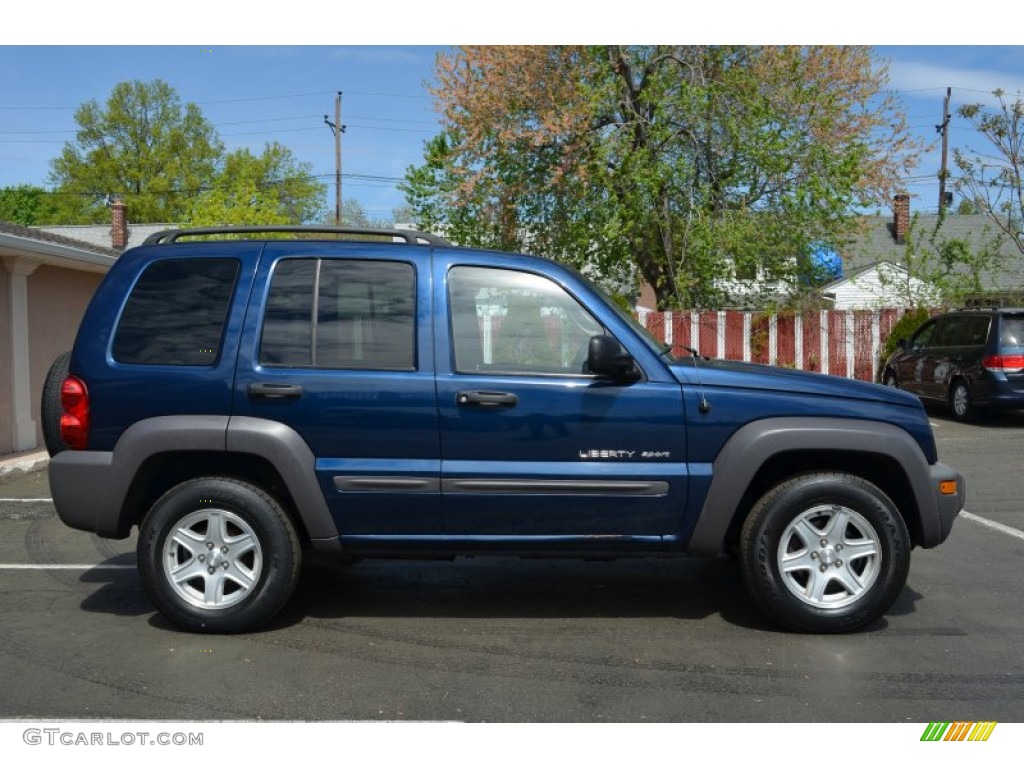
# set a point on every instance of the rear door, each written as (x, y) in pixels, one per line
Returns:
(338, 347)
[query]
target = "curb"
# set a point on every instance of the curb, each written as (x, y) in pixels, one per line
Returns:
(23, 464)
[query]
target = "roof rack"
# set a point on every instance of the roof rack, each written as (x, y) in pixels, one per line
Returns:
(409, 236)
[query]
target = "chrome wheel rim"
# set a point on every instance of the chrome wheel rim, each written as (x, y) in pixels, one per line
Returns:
(212, 559)
(960, 399)
(829, 556)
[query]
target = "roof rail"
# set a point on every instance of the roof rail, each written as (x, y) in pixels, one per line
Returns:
(409, 236)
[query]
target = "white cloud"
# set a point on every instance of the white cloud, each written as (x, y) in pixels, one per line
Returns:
(969, 84)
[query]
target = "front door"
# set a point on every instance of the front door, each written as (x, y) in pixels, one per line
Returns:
(532, 444)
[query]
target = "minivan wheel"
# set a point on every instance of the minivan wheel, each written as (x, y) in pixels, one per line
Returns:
(218, 555)
(825, 552)
(960, 402)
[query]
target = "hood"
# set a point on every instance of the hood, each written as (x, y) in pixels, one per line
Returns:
(733, 374)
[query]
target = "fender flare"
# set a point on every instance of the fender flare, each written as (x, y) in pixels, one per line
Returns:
(93, 485)
(753, 444)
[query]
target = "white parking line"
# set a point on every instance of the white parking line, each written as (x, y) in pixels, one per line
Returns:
(5, 501)
(992, 524)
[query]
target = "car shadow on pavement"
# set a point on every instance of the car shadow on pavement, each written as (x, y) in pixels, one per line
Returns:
(489, 588)
(506, 587)
(120, 592)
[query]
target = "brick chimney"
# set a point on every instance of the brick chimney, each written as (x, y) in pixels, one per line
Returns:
(118, 225)
(900, 218)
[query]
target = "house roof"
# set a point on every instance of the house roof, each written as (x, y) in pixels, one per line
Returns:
(48, 248)
(44, 236)
(99, 234)
(876, 243)
(851, 274)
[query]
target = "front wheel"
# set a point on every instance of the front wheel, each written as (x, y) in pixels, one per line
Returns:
(218, 555)
(825, 552)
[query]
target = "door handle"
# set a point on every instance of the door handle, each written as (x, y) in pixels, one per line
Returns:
(269, 391)
(486, 400)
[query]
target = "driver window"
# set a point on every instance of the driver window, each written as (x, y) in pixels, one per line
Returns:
(923, 337)
(504, 321)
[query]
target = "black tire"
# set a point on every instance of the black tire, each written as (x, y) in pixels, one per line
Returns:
(810, 576)
(50, 408)
(961, 404)
(218, 555)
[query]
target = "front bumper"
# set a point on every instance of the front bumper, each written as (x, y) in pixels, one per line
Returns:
(947, 505)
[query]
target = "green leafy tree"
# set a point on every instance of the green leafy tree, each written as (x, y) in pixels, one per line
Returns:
(678, 161)
(143, 145)
(168, 164)
(994, 179)
(27, 205)
(270, 188)
(940, 270)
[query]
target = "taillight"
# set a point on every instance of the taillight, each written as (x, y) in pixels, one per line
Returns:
(74, 423)
(1004, 363)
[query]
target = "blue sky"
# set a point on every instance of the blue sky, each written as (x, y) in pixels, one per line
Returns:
(281, 92)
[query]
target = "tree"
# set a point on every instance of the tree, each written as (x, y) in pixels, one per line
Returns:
(27, 205)
(144, 146)
(271, 188)
(168, 164)
(995, 182)
(939, 270)
(679, 161)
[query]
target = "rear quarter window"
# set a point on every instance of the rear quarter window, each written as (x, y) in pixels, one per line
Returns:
(176, 312)
(1011, 332)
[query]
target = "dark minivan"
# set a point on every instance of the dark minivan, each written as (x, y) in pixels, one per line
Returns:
(972, 359)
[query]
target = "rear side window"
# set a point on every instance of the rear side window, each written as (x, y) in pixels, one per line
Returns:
(1012, 331)
(326, 313)
(176, 313)
(971, 331)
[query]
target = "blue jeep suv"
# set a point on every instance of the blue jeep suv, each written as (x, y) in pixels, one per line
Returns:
(245, 397)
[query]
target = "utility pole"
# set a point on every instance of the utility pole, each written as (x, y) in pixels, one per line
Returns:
(943, 128)
(337, 129)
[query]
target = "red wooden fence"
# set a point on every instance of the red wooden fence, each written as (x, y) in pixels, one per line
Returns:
(839, 342)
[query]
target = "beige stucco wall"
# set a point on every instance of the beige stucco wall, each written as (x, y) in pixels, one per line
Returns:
(6, 416)
(57, 299)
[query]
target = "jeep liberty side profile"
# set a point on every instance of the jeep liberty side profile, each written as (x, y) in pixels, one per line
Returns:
(244, 396)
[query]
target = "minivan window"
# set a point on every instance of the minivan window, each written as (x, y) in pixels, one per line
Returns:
(971, 331)
(176, 312)
(1012, 331)
(924, 336)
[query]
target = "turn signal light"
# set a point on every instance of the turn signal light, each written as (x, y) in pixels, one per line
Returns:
(947, 487)
(74, 423)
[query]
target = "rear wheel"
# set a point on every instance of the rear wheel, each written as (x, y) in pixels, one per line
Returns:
(218, 555)
(825, 552)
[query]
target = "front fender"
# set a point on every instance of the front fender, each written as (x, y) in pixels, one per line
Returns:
(753, 445)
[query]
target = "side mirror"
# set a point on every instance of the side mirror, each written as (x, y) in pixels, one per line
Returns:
(606, 358)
